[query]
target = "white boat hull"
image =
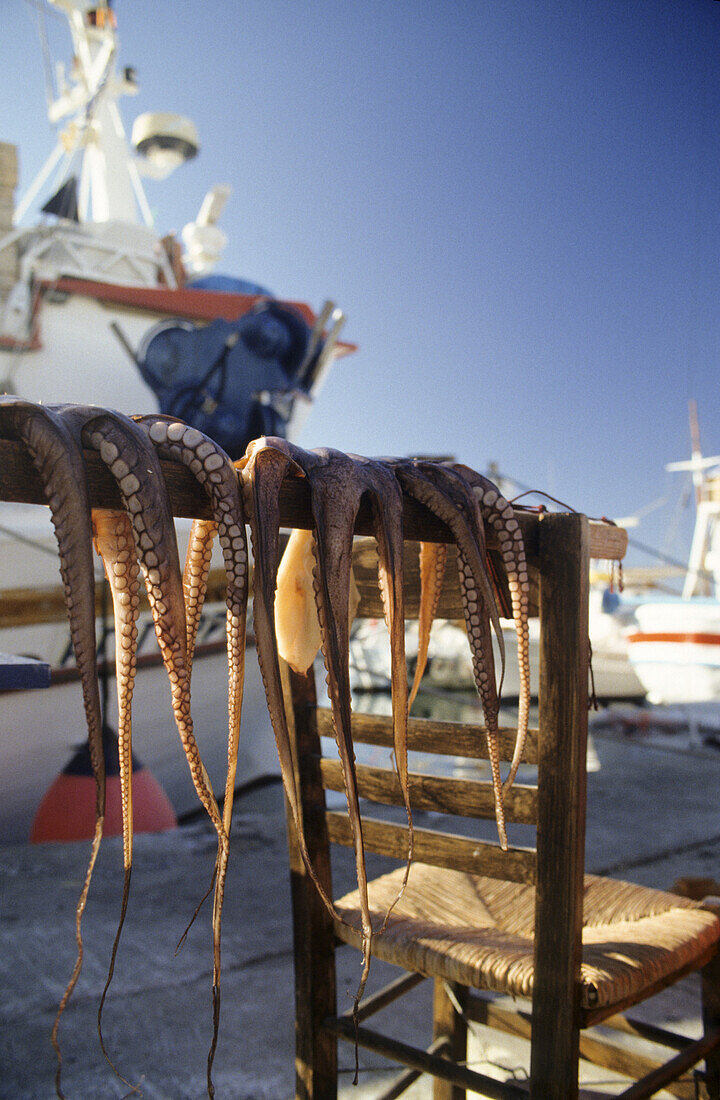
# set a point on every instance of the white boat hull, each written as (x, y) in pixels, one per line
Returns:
(80, 295)
(40, 729)
(80, 361)
(675, 650)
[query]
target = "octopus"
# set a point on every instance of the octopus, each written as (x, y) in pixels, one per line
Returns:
(213, 470)
(141, 536)
(301, 605)
(134, 464)
(449, 496)
(499, 513)
(58, 461)
(337, 484)
(114, 543)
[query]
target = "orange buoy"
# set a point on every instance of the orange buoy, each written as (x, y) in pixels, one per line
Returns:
(67, 809)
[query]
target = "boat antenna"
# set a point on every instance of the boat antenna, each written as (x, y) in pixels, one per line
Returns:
(697, 473)
(42, 14)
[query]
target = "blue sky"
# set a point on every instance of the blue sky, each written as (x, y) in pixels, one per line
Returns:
(516, 202)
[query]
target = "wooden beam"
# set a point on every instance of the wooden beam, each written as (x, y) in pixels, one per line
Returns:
(461, 853)
(425, 1062)
(430, 735)
(461, 797)
(563, 696)
(20, 483)
(26, 606)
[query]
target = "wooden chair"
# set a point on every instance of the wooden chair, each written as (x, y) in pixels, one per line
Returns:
(481, 922)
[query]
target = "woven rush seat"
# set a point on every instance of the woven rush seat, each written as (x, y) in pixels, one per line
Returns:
(479, 931)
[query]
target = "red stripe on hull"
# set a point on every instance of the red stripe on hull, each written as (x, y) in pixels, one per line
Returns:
(196, 305)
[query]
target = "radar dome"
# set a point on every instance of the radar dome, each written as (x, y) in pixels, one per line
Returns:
(165, 140)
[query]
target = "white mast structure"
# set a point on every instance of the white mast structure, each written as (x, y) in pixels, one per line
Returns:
(705, 549)
(109, 182)
(108, 168)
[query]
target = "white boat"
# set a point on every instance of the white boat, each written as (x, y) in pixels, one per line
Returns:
(96, 307)
(674, 641)
(675, 650)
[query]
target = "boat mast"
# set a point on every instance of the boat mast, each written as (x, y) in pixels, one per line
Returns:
(704, 557)
(109, 184)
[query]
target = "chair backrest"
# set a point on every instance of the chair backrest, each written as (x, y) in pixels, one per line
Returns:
(545, 810)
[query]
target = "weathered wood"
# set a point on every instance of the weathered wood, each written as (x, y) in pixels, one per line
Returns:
(403, 1081)
(26, 606)
(601, 1052)
(460, 853)
(591, 1016)
(462, 797)
(563, 700)
(644, 1030)
(606, 541)
(387, 995)
(313, 935)
(427, 735)
(427, 1063)
(685, 1060)
(450, 1025)
(711, 1020)
(20, 483)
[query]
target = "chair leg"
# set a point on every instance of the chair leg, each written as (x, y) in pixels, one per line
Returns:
(554, 1053)
(450, 1025)
(711, 1019)
(316, 1061)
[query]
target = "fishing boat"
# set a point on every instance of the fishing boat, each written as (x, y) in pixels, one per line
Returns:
(97, 307)
(674, 641)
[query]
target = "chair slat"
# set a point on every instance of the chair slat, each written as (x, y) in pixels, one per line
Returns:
(439, 849)
(450, 606)
(425, 735)
(462, 797)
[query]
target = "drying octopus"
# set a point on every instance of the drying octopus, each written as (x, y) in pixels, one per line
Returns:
(337, 483)
(140, 537)
(138, 541)
(60, 467)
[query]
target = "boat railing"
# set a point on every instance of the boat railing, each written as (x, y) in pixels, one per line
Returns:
(105, 252)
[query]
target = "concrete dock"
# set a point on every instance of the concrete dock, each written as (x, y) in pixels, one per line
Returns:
(653, 817)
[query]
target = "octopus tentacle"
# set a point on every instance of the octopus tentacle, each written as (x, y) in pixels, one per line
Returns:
(451, 482)
(500, 515)
(134, 465)
(263, 470)
(433, 556)
(59, 463)
(335, 500)
(474, 586)
(386, 502)
(195, 575)
(131, 459)
(337, 484)
(114, 543)
(214, 471)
